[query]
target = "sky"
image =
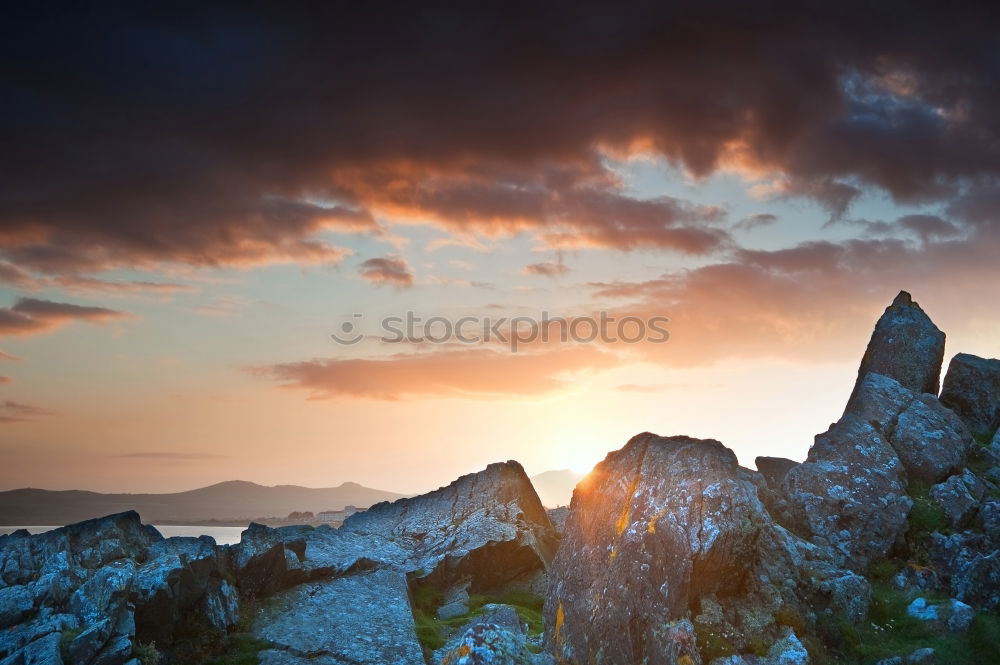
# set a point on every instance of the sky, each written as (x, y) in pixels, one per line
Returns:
(194, 200)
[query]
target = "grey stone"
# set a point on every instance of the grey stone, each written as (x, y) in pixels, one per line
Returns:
(774, 469)
(972, 389)
(117, 651)
(43, 651)
(906, 346)
(930, 440)
(925, 656)
(988, 520)
(661, 522)
(87, 644)
(914, 577)
(452, 610)
(920, 609)
(961, 616)
(850, 492)
(364, 619)
(495, 638)
(970, 565)
(16, 604)
(488, 528)
(956, 500)
(557, 516)
(174, 581)
(787, 651)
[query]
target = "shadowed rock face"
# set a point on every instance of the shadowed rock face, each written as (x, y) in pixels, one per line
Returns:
(487, 527)
(906, 346)
(656, 524)
(851, 492)
(972, 390)
(115, 580)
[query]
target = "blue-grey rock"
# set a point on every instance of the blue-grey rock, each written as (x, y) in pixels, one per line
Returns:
(850, 493)
(960, 616)
(43, 651)
(16, 604)
(921, 609)
(494, 638)
(117, 651)
(969, 564)
(905, 346)
(363, 619)
(972, 389)
(488, 527)
(931, 440)
(957, 500)
(787, 651)
(925, 656)
(87, 644)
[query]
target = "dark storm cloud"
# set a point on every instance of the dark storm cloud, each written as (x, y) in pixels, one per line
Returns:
(232, 134)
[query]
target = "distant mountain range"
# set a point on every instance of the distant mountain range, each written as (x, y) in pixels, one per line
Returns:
(555, 488)
(231, 501)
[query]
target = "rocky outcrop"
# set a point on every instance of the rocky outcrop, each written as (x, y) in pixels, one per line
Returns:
(774, 470)
(972, 390)
(362, 619)
(669, 524)
(906, 346)
(113, 582)
(850, 493)
(484, 532)
(930, 440)
(852, 490)
(488, 529)
(496, 637)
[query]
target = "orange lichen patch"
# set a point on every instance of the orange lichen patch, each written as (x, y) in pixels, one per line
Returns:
(651, 527)
(685, 660)
(560, 620)
(626, 516)
(614, 553)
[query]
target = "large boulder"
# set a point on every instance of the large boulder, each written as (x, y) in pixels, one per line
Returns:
(931, 441)
(850, 493)
(972, 389)
(656, 525)
(183, 576)
(907, 346)
(488, 529)
(969, 564)
(362, 619)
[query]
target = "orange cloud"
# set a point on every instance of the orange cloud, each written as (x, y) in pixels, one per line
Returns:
(481, 373)
(30, 315)
(16, 412)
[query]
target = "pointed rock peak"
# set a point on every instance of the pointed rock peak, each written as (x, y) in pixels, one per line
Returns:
(904, 298)
(905, 346)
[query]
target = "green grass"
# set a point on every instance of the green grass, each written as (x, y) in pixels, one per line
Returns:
(925, 517)
(239, 649)
(891, 632)
(433, 632)
(146, 653)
